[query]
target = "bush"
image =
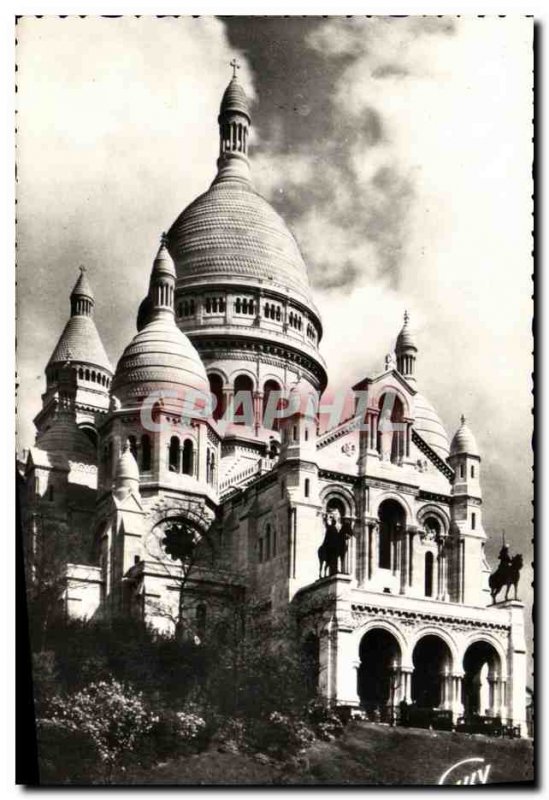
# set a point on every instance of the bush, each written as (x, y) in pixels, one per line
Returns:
(65, 755)
(280, 735)
(112, 715)
(326, 724)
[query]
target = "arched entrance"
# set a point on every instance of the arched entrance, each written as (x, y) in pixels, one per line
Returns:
(379, 671)
(392, 522)
(431, 677)
(482, 688)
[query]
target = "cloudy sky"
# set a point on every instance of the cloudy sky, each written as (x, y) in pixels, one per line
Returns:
(398, 151)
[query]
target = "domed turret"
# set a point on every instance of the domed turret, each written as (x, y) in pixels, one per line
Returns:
(464, 442)
(80, 342)
(160, 359)
(405, 351)
(234, 123)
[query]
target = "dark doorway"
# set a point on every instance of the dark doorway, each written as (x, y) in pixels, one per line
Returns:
(481, 665)
(379, 668)
(432, 664)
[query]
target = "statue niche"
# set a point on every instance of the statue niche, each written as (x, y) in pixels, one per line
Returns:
(333, 550)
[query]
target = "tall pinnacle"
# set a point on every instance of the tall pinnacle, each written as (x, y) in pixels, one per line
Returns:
(406, 351)
(82, 300)
(234, 124)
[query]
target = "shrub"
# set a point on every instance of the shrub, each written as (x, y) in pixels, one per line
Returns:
(280, 734)
(114, 717)
(326, 723)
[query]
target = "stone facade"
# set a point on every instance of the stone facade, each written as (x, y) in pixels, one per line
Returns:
(405, 615)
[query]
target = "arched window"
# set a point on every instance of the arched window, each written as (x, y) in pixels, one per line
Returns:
(133, 446)
(216, 389)
(245, 385)
(173, 459)
(237, 305)
(201, 620)
(307, 487)
(429, 574)
(81, 373)
(392, 519)
(270, 387)
(472, 470)
(145, 453)
(273, 542)
(391, 436)
(93, 375)
(473, 521)
(188, 457)
(461, 471)
(212, 467)
(87, 375)
(278, 313)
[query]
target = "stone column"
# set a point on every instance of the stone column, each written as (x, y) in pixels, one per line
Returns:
(406, 684)
(456, 701)
(372, 548)
(228, 396)
(411, 533)
(258, 410)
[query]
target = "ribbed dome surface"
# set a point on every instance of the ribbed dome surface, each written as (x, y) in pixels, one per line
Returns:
(80, 342)
(159, 357)
(231, 231)
(464, 442)
(234, 99)
(430, 428)
(405, 339)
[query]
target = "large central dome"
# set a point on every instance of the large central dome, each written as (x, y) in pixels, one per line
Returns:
(231, 232)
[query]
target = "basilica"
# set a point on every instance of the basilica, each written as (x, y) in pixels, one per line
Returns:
(207, 431)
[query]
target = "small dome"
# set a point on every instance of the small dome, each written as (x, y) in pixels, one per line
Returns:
(464, 442)
(234, 99)
(159, 358)
(429, 426)
(405, 339)
(126, 467)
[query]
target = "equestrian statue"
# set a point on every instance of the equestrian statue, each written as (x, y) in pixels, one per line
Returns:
(332, 551)
(507, 574)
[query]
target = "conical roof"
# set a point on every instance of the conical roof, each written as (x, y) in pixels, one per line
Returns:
(82, 286)
(80, 342)
(464, 442)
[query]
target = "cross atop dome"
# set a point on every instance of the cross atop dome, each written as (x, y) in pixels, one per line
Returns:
(235, 65)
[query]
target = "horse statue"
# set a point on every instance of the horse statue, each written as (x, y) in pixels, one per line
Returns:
(507, 574)
(333, 549)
